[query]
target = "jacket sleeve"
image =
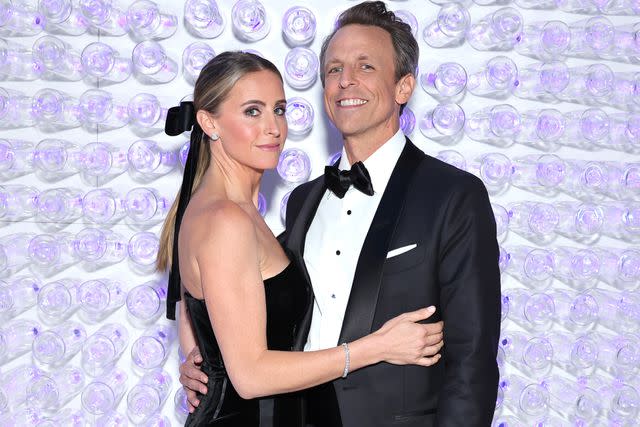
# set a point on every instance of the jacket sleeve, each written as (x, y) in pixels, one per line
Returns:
(470, 306)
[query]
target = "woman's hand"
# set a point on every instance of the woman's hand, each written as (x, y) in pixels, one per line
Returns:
(404, 341)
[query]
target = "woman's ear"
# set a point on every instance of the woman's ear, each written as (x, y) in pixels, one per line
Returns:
(206, 122)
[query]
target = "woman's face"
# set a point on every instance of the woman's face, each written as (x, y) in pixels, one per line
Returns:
(251, 122)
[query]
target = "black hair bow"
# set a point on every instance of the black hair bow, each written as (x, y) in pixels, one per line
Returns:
(180, 119)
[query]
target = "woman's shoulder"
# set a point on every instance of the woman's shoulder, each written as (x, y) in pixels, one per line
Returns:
(223, 218)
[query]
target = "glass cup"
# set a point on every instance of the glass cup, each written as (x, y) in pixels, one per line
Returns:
(449, 28)
(146, 22)
(16, 338)
(194, 58)
(294, 166)
(52, 253)
(538, 173)
(300, 117)
(301, 68)
(104, 65)
(525, 397)
(143, 250)
(581, 222)
(15, 109)
(443, 124)
(496, 125)
(148, 161)
(145, 303)
(202, 18)
(494, 169)
(102, 162)
(249, 20)
(546, 40)
(541, 129)
(50, 392)
(104, 17)
(103, 206)
(63, 17)
(101, 350)
(99, 248)
(17, 203)
(298, 26)
(17, 62)
(146, 207)
(59, 59)
(100, 112)
(14, 253)
(448, 80)
(534, 311)
(148, 395)
(533, 267)
(56, 346)
(151, 64)
(100, 298)
(58, 300)
(54, 110)
(59, 207)
(16, 158)
(542, 81)
(536, 222)
(19, 18)
(18, 295)
(497, 78)
(500, 30)
(151, 349)
(104, 393)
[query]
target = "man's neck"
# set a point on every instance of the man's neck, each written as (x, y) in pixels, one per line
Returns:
(360, 147)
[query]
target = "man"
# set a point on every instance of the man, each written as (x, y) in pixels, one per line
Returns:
(418, 232)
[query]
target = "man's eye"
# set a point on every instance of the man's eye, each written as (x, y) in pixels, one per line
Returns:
(334, 70)
(280, 111)
(253, 112)
(367, 66)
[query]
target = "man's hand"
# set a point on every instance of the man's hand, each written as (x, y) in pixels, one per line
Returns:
(192, 378)
(435, 337)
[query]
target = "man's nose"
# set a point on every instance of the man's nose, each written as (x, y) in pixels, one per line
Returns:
(346, 78)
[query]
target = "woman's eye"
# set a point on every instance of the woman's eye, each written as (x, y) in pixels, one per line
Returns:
(280, 111)
(253, 112)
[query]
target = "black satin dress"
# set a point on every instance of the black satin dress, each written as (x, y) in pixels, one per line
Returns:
(286, 299)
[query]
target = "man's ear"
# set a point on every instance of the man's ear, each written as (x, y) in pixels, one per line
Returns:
(206, 122)
(404, 88)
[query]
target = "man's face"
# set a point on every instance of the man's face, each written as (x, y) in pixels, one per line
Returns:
(361, 95)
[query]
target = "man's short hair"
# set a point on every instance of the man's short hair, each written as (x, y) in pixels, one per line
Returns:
(375, 13)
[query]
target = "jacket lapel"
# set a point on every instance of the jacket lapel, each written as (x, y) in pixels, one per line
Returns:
(358, 319)
(295, 242)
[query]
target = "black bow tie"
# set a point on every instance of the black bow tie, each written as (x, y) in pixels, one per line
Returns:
(339, 181)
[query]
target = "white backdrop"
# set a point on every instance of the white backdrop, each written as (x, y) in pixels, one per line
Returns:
(319, 144)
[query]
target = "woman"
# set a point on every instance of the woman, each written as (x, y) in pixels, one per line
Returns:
(242, 295)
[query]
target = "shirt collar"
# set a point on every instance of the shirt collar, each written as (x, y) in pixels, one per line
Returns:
(380, 164)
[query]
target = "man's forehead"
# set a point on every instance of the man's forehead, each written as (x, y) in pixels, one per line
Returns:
(355, 41)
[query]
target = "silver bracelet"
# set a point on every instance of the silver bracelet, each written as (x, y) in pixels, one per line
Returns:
(347, 360)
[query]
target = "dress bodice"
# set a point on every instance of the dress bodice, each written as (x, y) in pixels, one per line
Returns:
(286, 299)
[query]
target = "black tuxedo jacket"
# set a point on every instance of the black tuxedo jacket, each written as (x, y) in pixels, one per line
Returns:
(446, 212)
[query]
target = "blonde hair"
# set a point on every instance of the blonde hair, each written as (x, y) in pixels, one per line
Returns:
(212, 88)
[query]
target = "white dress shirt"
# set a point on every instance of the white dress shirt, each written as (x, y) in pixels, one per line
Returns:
(334, 240)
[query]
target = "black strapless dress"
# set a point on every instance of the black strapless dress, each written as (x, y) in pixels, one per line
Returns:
(286, 299)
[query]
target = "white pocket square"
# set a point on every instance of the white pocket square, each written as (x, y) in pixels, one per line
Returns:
(401, 250)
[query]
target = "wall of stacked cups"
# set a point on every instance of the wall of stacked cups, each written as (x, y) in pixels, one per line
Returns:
(539, 98)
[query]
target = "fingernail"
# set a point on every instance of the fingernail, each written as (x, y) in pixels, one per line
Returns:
(431, 308)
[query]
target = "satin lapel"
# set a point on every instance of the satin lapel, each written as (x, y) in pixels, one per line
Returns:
(358, 319)
(296, 241)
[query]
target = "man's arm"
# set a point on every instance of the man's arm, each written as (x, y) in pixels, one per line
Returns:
(470, 306)
(193, 380)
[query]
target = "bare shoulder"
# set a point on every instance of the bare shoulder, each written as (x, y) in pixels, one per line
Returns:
(224, 221)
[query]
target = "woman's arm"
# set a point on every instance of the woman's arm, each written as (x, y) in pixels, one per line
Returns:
(228, 261)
